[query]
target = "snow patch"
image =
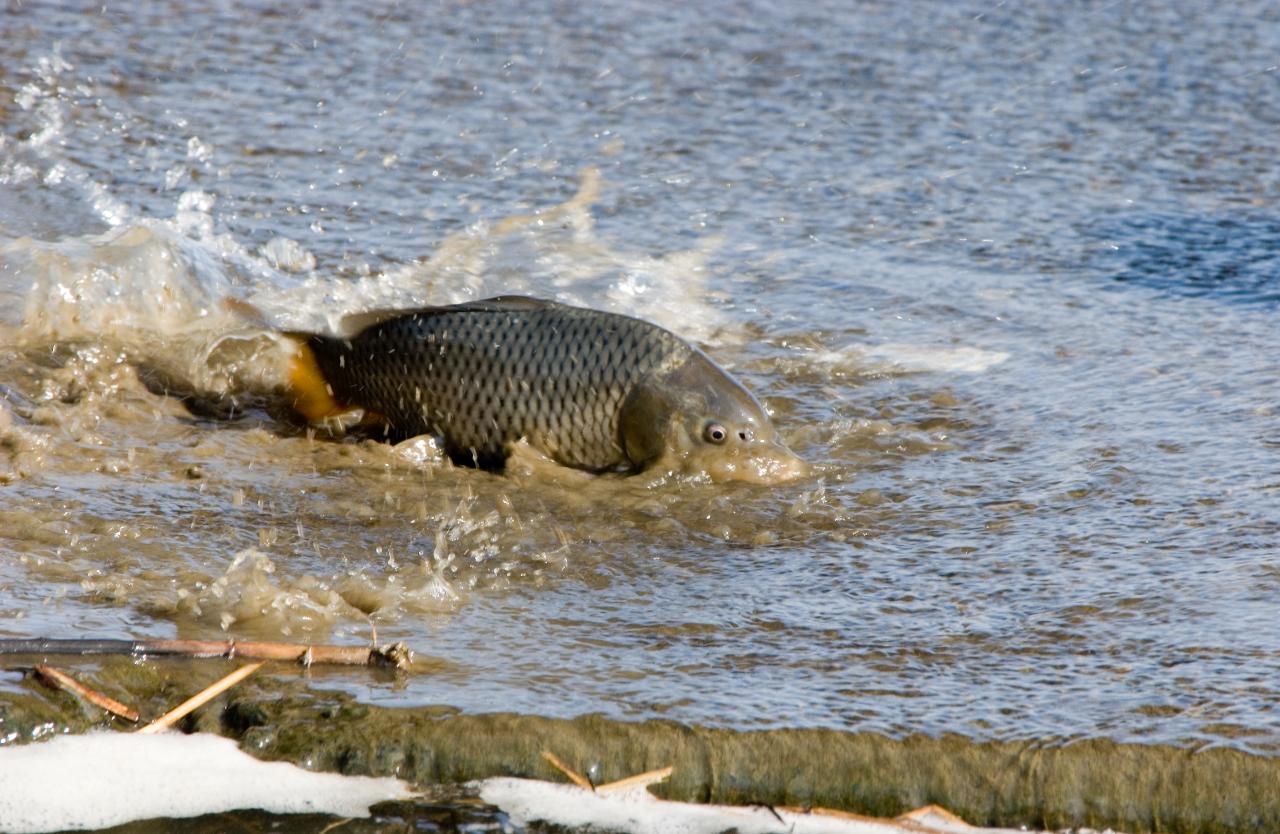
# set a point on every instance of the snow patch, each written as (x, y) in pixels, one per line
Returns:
(636, 811)
(99, 780)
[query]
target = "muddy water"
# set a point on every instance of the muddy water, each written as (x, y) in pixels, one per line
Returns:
(1006, 274)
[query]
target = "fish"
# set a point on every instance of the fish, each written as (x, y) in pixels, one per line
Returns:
(592, 390)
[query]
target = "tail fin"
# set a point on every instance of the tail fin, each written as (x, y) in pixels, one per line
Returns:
(306, 387)
(311, 394)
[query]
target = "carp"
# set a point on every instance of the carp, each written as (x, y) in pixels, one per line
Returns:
(589, 389)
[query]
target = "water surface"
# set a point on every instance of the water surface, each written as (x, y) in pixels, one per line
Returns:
(1004, 272)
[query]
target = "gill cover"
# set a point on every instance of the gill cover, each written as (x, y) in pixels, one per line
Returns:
(696, 419)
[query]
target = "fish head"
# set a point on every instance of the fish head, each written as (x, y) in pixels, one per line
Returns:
(697, 419)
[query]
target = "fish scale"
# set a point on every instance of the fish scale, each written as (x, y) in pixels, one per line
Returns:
(483, 375)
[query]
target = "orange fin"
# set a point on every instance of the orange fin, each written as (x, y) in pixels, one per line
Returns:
(306, 386)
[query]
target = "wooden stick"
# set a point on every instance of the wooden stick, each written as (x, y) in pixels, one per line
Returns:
(396, 655)
(647, 778)
(61, 680)
(574, 776)
(199, 699)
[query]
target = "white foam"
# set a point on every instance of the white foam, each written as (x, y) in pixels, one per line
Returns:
(554, 253)
(288, 255)
(154, 292)
(105, 779)
(250, 591)
(637, 811)
(906, 358)
(929, 358)
(141, 277)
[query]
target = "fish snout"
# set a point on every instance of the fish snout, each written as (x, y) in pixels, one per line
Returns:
(762, 462)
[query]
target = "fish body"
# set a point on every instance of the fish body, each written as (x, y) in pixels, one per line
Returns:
(590, 389)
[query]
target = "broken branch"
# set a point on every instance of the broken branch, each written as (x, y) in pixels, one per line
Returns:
(574, 776)
(647, 778)
(397, 655)
(198, 700)
(61, 680)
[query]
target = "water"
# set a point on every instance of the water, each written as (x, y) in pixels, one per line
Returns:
(1004, 271)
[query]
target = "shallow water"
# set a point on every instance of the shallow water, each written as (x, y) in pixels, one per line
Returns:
(1004, 272)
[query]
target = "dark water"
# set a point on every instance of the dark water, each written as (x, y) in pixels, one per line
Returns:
(1006, 272)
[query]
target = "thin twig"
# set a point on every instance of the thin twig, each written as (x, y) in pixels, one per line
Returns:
(774, 811)
(574, 776)
(199, 699)
(647, 778)
(61, 680)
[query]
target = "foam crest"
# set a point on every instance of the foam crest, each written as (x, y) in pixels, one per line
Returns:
(251, 593)
(433, 573)
(254, 596)
(157, 295)
(552, 253)
(170, 273)
(890, 358)
(159, 287)
(929, 358)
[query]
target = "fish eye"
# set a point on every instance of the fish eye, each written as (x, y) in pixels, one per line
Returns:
(715, 433)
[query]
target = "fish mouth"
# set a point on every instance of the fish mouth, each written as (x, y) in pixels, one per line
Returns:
(761, 463)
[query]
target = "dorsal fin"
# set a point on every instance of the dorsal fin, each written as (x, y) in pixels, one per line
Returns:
(355, 323)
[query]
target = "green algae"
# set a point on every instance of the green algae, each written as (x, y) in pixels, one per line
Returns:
(1041, 784)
